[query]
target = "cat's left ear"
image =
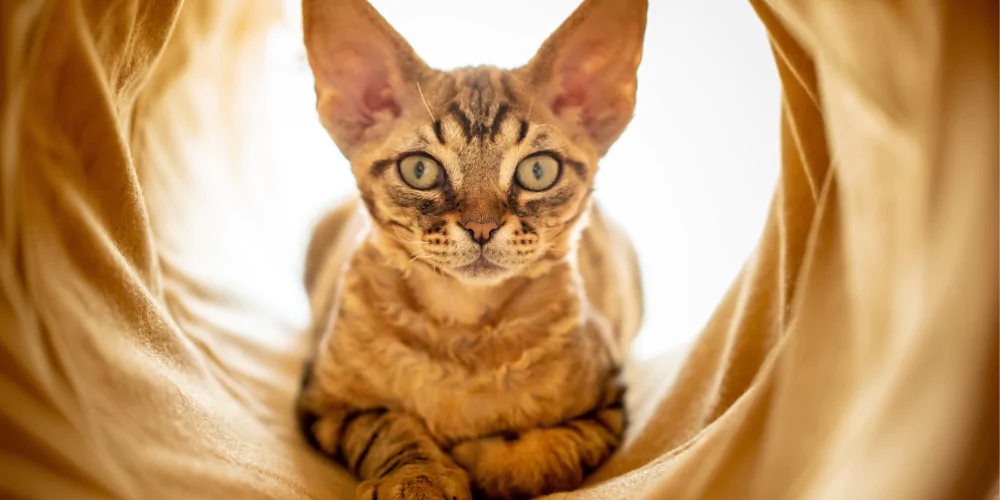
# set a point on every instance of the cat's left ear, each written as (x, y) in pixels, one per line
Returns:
(586, 70)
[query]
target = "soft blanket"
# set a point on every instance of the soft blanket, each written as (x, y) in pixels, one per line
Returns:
(855, 355)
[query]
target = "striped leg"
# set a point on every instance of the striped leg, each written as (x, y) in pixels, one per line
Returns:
(391, 452)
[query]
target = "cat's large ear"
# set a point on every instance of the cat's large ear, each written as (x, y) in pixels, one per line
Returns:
(366, 74)
(586, 70)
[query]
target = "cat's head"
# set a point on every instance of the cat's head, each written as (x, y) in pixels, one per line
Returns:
(479, 172)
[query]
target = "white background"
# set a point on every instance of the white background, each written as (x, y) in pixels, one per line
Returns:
(690, 179)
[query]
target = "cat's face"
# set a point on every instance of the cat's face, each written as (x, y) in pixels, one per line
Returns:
(481, 173)
(482, 186)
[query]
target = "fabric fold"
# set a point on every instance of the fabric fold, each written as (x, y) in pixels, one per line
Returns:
(855, 355)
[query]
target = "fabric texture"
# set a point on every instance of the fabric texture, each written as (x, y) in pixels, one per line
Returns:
(855, 356)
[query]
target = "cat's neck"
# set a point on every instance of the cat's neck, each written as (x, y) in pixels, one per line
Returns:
(447, 298)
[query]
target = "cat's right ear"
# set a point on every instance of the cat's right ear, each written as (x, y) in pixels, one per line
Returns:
(366, 74)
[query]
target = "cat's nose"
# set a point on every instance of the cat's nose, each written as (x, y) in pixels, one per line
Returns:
(481, 232)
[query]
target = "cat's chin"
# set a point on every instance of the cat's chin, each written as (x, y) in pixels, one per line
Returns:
(481, 272)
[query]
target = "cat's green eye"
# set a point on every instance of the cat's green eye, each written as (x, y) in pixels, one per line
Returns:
(538, 173)
(420, 172)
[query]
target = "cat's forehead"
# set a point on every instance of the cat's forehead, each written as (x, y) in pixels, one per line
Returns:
(480, 116)
(479, 91)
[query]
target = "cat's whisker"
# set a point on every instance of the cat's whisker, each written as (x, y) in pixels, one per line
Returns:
(419, 256)
(424, 99)
(406, 238)
(424, 255)
(542, 125)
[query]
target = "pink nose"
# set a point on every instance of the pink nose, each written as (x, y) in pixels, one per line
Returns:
(481, 232)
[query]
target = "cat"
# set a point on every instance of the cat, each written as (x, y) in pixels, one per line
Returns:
(471, 305)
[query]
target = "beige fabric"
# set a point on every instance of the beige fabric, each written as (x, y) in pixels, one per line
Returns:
(854, 357)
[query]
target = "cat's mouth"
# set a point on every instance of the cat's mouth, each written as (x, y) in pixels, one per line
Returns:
(481, 268)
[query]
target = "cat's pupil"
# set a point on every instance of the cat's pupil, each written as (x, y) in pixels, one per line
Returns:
(418, 170)
(537, 170)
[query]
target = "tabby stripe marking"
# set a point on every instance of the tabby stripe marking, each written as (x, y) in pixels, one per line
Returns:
(379, 167)
(307, 420)
(580, 168)
(534, 207)
(383, 423)
(521, 134)
(579, 432)
(498, 120)
(462, 119)
(404, 456)
(348, 420)
(437, 132)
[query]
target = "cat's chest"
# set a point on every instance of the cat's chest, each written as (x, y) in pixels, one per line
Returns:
(531, 357)
(499, 380)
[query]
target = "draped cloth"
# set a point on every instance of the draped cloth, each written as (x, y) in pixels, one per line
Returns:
(855, 355)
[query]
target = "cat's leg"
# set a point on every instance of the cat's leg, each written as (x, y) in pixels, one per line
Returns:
(391, 452)
(544, 460)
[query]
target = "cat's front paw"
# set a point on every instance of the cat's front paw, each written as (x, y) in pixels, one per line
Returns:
(418, 482)
(540, 461)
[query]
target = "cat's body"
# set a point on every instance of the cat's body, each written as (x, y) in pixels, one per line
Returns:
(471, 306)
(457, 361)
(470, 361)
